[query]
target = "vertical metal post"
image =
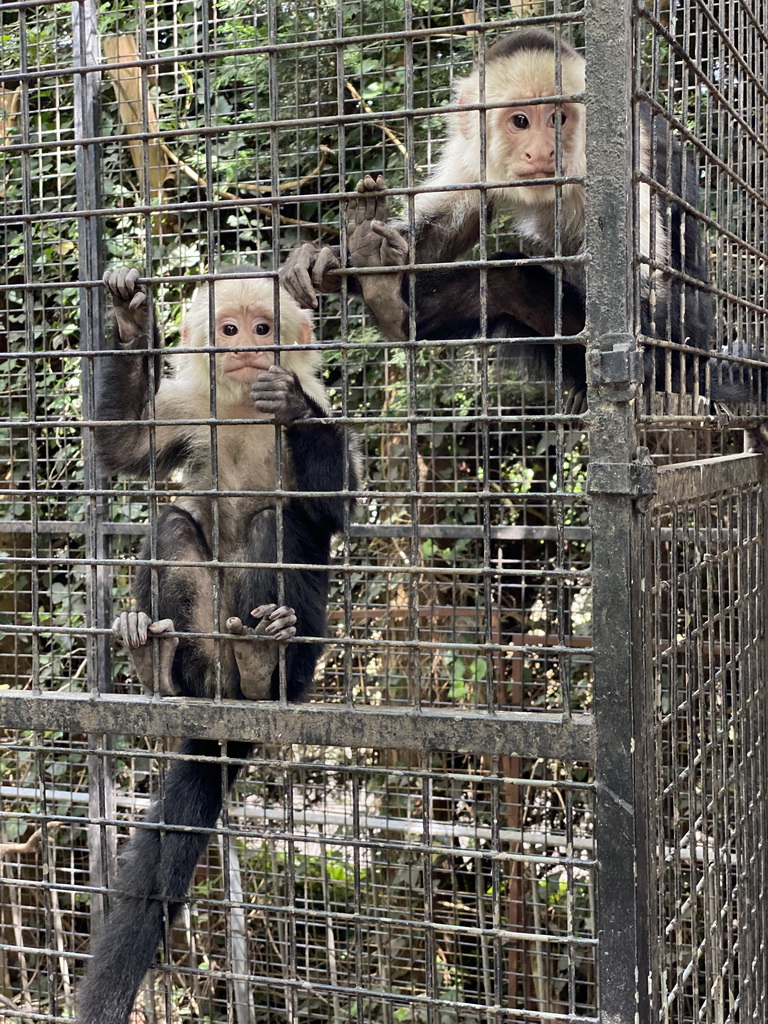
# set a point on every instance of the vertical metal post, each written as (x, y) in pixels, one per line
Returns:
(87, 53)
(614, 480)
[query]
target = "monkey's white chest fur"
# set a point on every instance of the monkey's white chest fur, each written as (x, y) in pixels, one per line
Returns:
(232, 476)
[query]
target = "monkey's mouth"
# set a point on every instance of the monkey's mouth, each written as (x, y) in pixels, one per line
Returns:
(248, 361)
(249, 366)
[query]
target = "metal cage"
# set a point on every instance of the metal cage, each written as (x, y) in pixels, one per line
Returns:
(530, 781)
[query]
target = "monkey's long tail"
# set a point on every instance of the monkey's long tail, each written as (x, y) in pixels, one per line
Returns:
(156, 873)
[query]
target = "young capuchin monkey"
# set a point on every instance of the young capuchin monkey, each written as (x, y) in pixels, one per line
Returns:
(527, 143)
(237, 528)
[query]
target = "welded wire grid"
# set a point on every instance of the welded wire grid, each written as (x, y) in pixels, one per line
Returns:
(337, 887)
(707, 714)
(474, 526)
(701, 71)
(343, 883)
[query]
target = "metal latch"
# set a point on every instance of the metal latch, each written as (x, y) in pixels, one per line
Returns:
(615, 367)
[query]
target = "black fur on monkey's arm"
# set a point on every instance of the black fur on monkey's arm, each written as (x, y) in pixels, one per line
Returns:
(318, 451)
(518, 299)
(124, 386)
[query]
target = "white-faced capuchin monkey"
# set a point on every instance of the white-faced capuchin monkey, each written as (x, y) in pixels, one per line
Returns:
(238, 523)
(526, 143)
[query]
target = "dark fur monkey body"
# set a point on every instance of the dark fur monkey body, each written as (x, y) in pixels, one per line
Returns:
(239, 527)
(528, 142)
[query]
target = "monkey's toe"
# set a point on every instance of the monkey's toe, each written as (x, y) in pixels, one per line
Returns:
(282, 623)
(263, 610)
(135, 630)
(131, 628)
(255, 661)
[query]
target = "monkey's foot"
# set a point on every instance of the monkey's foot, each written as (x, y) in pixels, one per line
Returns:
(142, 637)
(256, 662)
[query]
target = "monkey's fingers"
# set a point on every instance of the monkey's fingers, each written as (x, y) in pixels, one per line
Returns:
(394, 248)
(277, 623)
(123, 282)
(161, 626)
(235, 627)
(366, 184)
(294, 275)
(269, 395)
(277, 393)
(283, 409)
(111, 284)
(326, 260)
(380, 200)
(576, 401)
(263, 613)
(138, 300)
(355, 211)
(368, 210)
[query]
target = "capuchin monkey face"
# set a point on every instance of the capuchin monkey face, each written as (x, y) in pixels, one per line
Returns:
(530, 138)
(527, 138)
(244, 322)
(240, 326)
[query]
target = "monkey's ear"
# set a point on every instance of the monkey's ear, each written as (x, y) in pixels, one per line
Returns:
(465, 118)
(306, 334)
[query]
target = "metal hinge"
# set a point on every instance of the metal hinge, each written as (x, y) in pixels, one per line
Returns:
(636, 479)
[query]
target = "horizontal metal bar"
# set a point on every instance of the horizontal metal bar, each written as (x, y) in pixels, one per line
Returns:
(304, 44)
(519, 733)
(133, 805)
(690, 481)
(402, 496)
(58, 284)
(421, 530)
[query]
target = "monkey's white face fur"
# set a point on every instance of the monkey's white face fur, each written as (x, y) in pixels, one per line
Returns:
(521, 143)
(244, 322)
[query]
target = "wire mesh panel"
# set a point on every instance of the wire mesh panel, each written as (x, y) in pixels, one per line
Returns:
(700, 75)
(341, 885)
(706, 714)
(225, 136)
(445, 829)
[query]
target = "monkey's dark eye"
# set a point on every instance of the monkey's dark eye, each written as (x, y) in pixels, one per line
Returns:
(519, 121)
(262, 329)
(558, 117)
(229, 330)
